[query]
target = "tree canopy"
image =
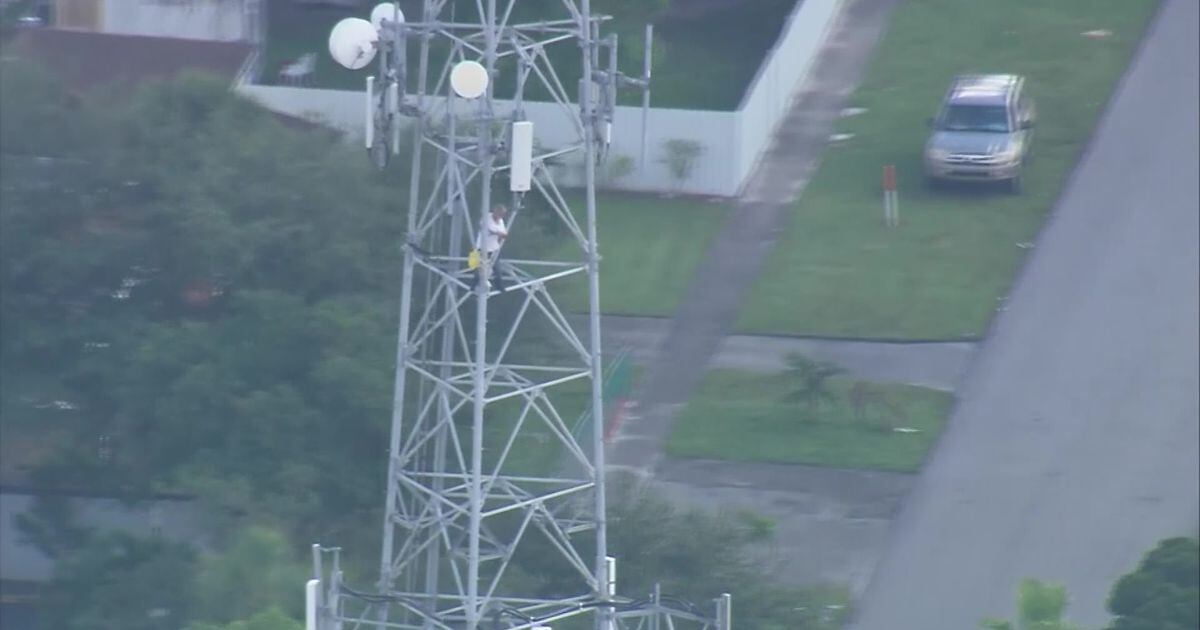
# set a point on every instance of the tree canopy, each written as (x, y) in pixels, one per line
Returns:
(200, 288)
(1163, 593)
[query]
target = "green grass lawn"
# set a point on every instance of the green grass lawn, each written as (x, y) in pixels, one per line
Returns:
(838, 271)
(701, 61)
(650, 247)
(743, 416)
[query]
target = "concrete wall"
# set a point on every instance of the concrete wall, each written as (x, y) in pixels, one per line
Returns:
(781, 74)
(220, 20)
(733, 142)
(553, 128)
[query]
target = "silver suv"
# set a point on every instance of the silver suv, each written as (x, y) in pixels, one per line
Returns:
(982, 132)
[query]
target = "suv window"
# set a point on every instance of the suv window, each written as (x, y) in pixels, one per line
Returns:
(987, 118)
(1024, 107)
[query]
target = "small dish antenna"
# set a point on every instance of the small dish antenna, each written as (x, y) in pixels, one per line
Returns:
(469, 79)
(352, 43)
(386, 11)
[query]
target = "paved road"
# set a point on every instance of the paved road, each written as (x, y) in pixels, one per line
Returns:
(1074, 448)
(711, 303)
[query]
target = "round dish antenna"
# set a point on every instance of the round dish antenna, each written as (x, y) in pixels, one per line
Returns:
(469, 79)
(352, 43)
(386, 11)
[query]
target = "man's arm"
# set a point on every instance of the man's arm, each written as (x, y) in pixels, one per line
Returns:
(497, 228)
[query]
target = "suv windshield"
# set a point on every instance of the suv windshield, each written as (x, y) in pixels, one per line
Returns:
(974, 118)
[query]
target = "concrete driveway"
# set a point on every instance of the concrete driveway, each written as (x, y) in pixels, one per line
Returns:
(1075, 444)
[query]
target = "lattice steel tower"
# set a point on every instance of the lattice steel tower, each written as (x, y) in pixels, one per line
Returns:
(457, 507)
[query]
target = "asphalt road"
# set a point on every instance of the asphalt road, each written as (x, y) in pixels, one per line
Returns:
(1075, 445)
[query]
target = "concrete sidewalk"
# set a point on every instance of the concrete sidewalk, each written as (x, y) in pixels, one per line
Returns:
(939, 365)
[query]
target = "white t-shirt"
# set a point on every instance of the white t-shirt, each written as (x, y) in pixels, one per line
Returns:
(493, 228)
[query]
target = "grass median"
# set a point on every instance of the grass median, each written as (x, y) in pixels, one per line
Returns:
(837, 271)
(745, 416)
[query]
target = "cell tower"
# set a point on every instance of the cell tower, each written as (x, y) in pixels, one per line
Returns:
(457, 508)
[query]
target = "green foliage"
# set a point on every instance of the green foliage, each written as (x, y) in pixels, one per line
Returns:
(115, 579)
(697, 555)
(874, 408)
(1040, 606)
(811, 382)
(1163, 593)
(119, 581)
(39, 117)
(269, 619)
(50, 526)
(680, 155)
(207, 288)
(758, 528)
(637, 12)
(617, 168)
(257, 571)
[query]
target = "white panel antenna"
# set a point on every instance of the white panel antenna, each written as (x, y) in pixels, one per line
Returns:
(521, 157)
(393, 110)
(312, 599)
(648, 62)
(369, 125)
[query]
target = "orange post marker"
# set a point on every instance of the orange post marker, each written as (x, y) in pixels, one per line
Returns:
(889, 178)
(891, 200)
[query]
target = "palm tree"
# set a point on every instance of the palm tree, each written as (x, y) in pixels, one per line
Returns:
(1040, 606)
(811, 380)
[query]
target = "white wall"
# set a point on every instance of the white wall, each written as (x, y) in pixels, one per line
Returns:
(778, 79)
(713, 174)
(220, 20)
(733, 142)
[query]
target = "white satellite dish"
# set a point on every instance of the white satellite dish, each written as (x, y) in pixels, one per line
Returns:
(469, 79)
(386, 11)
(352, 43)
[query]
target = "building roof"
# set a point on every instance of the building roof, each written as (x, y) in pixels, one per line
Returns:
(982, 89)
(87, 60)
(21, 561)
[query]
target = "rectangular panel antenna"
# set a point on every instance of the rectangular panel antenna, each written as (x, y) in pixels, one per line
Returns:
(521, 156)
